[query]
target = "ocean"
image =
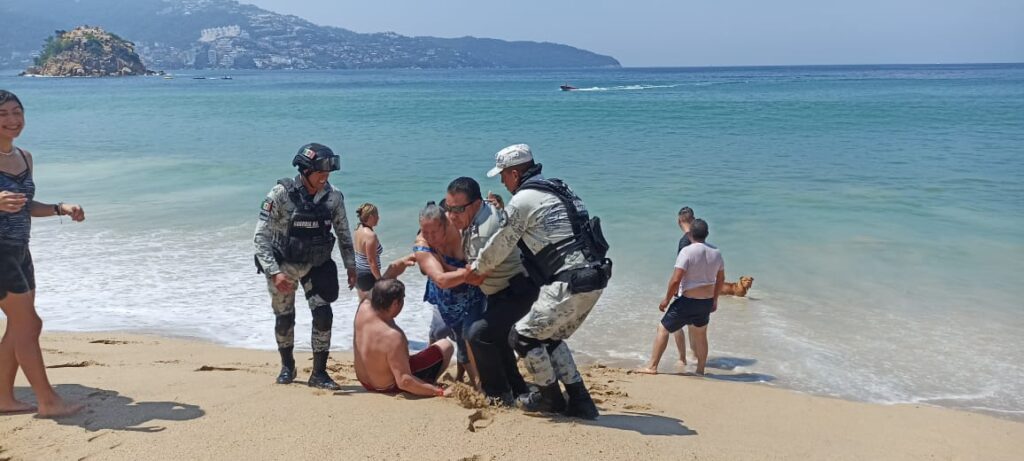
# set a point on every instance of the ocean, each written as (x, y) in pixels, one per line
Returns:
(880, 209)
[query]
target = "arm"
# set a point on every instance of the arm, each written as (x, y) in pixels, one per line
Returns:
(398, 361)
(344, 233)
(399, 266)
(673, 288)
(370, 250)
(271, 212)
(505, 240)
(719, 281)
(431, 266)
(42, 210)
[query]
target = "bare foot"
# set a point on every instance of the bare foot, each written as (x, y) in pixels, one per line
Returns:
(646, 371)
(681, 363)
(16, 406)
(700, 372)
(60, 409)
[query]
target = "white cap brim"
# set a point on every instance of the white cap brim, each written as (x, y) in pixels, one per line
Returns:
(494, 172)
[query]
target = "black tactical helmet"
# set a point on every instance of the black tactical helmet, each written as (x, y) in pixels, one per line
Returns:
(316, 157)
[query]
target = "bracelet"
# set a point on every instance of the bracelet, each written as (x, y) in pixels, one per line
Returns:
(56, 209)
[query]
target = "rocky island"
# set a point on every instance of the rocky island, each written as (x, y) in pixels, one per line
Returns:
(87, 52)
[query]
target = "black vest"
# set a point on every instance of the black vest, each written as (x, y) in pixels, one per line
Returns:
(309, 239)
(587, 238)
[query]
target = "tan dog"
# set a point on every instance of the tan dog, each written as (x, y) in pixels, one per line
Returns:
(738, 289)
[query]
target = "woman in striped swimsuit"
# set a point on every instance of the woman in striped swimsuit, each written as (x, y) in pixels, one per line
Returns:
(20, 345)
(368, 250)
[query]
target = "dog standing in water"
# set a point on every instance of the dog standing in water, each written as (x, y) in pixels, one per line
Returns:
(738, 289)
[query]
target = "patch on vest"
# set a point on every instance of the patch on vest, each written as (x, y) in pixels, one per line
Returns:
(268, 205)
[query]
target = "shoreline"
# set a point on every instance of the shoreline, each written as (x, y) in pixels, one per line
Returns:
(153, 397)
(586, 359)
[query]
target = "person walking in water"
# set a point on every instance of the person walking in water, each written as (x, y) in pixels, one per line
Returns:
(20, 345)
(294, 242)
(695, 285)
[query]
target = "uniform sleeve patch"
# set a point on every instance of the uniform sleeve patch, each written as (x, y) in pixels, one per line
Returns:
(265, 209)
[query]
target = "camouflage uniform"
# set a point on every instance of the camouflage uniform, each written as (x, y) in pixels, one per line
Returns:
(271, 233)
(539, 219)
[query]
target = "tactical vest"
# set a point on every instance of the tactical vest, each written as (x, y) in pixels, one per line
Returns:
(587, 238)
(309, 239)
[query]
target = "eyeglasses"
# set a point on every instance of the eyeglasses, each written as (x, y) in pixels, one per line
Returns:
(456, 208)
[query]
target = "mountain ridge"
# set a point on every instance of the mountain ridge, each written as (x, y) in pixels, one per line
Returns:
(226, 34)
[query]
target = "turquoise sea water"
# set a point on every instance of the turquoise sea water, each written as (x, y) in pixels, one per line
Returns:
(880, 209)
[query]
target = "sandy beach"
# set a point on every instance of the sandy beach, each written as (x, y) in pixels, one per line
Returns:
(157, 398)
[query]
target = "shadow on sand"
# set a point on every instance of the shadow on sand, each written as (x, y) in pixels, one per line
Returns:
(729, 363)
(641, 423)
(107, 409)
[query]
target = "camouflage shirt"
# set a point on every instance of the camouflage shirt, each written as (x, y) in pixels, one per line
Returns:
(272, 227)
(536, 217)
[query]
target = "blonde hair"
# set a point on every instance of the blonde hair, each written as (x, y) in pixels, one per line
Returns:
(365, 211)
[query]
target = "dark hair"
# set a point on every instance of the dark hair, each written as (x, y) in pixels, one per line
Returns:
(7, 96)
(699, 230)
(433, 212)
(466, 186)
(386, 292)
(686, 213)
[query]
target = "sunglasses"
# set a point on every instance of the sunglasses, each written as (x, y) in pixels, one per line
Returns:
(455, 208)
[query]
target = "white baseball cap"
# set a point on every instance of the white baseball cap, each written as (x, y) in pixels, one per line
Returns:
(516, 154)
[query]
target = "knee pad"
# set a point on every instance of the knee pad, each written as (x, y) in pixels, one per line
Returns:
(283, 323)
(323, 318)
(523, 344)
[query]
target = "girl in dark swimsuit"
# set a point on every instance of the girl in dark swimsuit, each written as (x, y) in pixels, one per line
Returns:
(20, 345)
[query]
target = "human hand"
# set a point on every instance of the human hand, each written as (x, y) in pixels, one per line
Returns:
(351, 278)
(282, 283)
(663, 305)
(76, 212)
(12, 202)
(474, 278)
(496, 200)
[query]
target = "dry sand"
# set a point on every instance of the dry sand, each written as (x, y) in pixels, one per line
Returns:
(156, 398)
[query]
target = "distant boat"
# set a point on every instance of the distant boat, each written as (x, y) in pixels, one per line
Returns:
(198, 78)
(567, 87)
(226, 78)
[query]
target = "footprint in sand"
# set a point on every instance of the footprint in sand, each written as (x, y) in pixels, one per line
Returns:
(479, 419)
(87, 363)
(209, 368)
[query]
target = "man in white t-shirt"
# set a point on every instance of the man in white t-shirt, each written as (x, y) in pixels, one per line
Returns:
(695, 284)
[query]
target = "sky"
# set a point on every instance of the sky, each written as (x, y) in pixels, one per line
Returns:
(641, 33)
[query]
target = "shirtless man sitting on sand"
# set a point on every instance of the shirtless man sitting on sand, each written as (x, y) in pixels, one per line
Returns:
(381, 349)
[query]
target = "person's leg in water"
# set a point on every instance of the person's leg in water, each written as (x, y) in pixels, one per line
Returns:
(699, 343)
(283, 304)
(23, 329)
(680, 338)
(660, 344)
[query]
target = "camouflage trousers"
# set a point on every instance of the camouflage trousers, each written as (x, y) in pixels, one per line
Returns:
(555, 316)
(283, 304)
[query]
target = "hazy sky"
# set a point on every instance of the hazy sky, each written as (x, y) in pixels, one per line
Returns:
(709, 32)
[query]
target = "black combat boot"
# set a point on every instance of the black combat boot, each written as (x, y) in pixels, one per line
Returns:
(319, 378)
(548, 399)
(580, 403)
(287, 366)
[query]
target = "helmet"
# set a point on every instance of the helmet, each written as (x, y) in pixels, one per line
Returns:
(316, 157)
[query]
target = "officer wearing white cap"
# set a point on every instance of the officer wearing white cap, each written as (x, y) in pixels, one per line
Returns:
(563, 252)
(294, 243)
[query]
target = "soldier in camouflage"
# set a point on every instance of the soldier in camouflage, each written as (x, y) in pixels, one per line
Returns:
(294, 243)
(552, 228)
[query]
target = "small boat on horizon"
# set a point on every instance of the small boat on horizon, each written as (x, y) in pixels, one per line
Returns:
(198, 78)
(567, 87)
